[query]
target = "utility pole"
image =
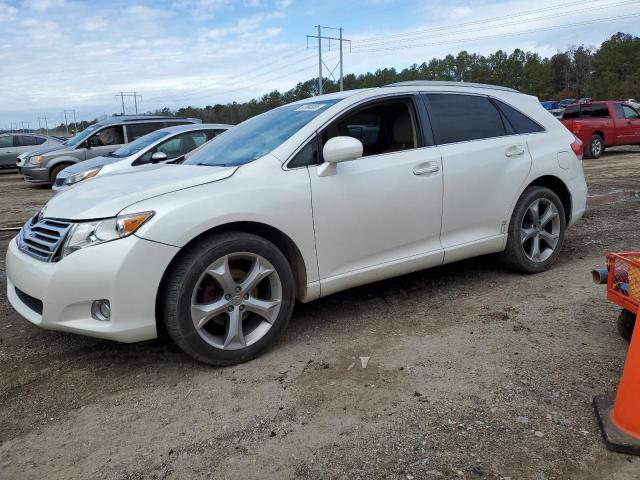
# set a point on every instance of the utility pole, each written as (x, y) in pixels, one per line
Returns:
(75, 124)
(28, 127)
(46, 125)
(321, 63)
(66, 124)
(129, 94)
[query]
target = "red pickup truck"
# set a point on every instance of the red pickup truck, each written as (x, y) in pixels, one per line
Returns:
(603, 124)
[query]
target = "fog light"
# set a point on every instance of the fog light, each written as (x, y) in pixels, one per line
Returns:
(101, 310)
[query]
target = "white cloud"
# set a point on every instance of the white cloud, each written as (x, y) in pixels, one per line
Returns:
(42, 5)
(7, 12)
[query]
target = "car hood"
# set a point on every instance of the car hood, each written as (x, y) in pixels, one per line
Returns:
(42, 151)
(106, 196)
(89, 164)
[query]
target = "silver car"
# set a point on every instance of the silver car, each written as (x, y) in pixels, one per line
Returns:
(98, 139)
(164, 145)
(12, 145)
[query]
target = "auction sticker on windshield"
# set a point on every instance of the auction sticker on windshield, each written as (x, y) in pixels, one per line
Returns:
(310, 107)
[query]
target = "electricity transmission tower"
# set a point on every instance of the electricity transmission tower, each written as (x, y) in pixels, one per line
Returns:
(75, 124)
(321, 63)
(46, 126)
(129, 94)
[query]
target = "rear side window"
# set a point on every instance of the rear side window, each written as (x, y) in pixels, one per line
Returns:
(137, 130)
(461, 118)
(572, 112)
(29, 140)
(519, 121)
(6, 142)
(598, 110)
(213, 133)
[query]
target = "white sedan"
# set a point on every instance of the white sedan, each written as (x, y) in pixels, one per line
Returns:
(159, 146)
(295, 204)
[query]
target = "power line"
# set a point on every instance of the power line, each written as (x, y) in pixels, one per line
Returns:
(488, 37)
(418, 35)
(135, 96)
(483, 21)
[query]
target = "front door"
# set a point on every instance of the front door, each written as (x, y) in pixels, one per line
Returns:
(379, 215)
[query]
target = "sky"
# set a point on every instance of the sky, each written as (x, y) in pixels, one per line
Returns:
(58, 55)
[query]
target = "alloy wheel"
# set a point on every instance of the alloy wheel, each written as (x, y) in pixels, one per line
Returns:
(540, 230)
(236, 300)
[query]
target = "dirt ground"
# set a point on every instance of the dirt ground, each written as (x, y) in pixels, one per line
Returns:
(472, 372)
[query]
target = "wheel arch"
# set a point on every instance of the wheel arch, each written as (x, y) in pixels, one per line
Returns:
(557, 186)
(280, 239)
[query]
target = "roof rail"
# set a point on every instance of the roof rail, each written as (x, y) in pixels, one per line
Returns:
(438, 83)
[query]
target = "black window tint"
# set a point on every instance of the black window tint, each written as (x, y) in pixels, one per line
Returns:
(594, 110)
(385, 127)
(173, 123)
(572, 112)
(629, 112)
(308, 155)
(460, 118)
(519, 121)
(137, 130)
(213, 133)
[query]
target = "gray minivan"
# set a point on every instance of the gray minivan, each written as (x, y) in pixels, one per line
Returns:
(98, 139)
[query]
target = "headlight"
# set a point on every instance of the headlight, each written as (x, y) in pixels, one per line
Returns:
(78, 177)
(87, 234)
(36, 160)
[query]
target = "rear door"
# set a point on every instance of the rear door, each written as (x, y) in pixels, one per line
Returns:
(484, 165)
(7, 151)
(627, 124)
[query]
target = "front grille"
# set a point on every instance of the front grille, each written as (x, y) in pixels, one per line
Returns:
(32, 302)
(42, 239)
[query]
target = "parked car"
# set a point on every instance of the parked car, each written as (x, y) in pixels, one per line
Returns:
(296, 204)
(565, 102)
(585, 100)
(164, 145)
(549, 105)
(98, 139)
(14, 144)
(603, 124)
(634, 103)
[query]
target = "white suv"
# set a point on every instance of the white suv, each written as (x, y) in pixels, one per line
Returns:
(298, 203)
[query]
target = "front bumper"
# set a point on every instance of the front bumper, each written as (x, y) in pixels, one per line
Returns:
(127, 272)
(38, 175)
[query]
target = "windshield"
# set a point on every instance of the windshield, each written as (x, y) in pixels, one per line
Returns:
(82, 136)
(139, 144)
(257, 136)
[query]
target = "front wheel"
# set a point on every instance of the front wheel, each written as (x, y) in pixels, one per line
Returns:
(228, 297)
(536, 231)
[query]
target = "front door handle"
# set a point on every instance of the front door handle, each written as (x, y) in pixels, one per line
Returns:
(514, 151)
(426, 168)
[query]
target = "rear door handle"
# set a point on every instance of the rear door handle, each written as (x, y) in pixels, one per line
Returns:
(426, 168)
(514, 151)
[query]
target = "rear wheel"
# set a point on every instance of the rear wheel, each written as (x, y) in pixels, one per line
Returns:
(536, 231)
(626, 322)
(228, 297)
(595, 147)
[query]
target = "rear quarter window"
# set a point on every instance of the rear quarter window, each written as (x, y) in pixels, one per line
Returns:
(519, 121)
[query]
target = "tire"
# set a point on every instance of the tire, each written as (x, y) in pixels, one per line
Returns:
(521, 255)
(56, 170)
(595, 147)
(626, 322)
(210, 277)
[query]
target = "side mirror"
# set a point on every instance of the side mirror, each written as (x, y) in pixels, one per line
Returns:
(158, 157)
(342, 149)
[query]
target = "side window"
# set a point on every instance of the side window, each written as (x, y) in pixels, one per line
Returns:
(461, 118)
(571, 112)
(385, 127)
(137, 130)
(40, 140)
(519, 121)
(598, 110)
(107, 136)
(213, 133)
(308, 155)
(176, 146)
(173, 123)
(6, 142)
(28, 140)
(619, 110)
(629, 112)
